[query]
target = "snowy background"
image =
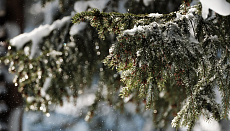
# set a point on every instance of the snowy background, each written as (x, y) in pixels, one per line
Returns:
(71, 117)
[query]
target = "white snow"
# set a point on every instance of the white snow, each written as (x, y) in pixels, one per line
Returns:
(178, 15)
(71, 44)
(192, 39)
(221, 7)
(191, 23)
(20, 40)
(211, 125)
(111, 49)
(134, 30)
(156, 15)
(144, 29)
(36, 35)
(81, 6)
(27, 51)
(189, 15)
(128, 98)
(30, 99)
(45, 86)
(192, 10)
(76, 28)
(54, 53)
(60, 23)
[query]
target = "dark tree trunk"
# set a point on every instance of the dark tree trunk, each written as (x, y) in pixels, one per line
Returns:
(11, 110)
(15, 12)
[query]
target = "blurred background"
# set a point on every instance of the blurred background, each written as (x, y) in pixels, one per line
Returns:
(22, 16)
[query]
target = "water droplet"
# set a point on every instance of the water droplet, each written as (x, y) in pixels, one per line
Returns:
(31, 66)
(115, 75)
(12, 68)
(97, 47)
(58, 62)
(48, 114)
(26, 76)
(32, 107)
(66, 53)
(45, 61)
(7, 61)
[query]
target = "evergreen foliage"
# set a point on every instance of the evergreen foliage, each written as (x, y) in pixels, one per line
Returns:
(170, 62)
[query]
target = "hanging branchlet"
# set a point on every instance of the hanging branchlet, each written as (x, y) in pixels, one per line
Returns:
(168, 53)
(61, 69)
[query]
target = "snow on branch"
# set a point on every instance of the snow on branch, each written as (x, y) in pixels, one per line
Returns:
(221, 7)
(37, 34)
